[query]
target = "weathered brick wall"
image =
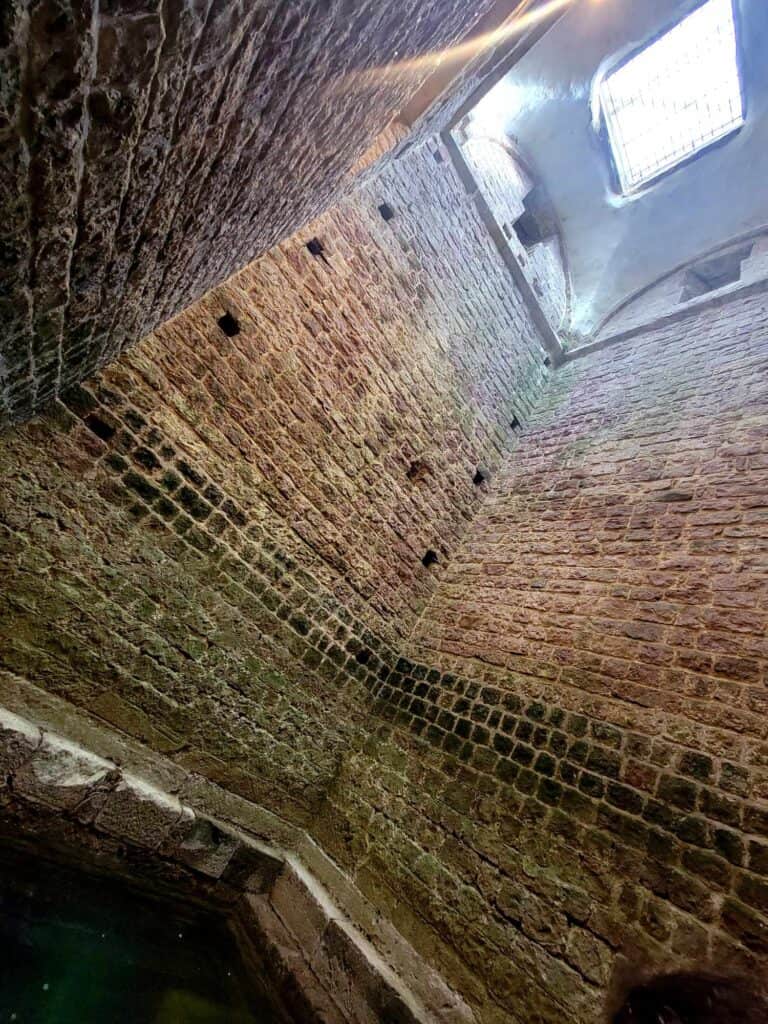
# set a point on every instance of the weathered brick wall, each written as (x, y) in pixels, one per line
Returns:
(216, 544)
(216, 547)
(149, 150)
(575, 780)
(504, 183)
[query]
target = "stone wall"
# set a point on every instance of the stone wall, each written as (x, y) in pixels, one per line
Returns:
(576, 780)
(543, 757)
(216, 545)
(504, 183)
(149, 150)
(125, 818)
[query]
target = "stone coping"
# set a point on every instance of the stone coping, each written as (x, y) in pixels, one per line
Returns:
(290, 905)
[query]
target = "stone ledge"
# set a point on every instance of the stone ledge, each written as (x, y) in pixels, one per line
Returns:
(709, 300)
(319, 933)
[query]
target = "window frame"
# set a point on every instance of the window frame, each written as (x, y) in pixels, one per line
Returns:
(604, 133)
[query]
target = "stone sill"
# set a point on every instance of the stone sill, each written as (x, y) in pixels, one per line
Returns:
(293, 907)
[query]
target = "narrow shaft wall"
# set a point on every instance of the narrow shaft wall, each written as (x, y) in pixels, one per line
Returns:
(216, 545)
(151, 148)
(576, 787)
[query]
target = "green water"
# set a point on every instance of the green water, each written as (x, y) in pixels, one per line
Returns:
(75, 950)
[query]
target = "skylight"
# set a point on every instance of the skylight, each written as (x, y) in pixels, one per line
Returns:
(675, 97)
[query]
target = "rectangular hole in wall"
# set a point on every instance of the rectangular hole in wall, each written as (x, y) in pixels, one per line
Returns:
(525, 229)
(714, 273)
(535, 224)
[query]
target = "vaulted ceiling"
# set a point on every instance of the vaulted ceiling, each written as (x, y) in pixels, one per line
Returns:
(616, 246)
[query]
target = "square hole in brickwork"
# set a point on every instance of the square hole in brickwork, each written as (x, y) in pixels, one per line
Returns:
(514, 423)
(709, 275)
(100, 427)
(315, 246)
(417, 470)
(386, 211)
(430, 558)
(481, 476)
(675, 97)
(229, 325)
(526, 231)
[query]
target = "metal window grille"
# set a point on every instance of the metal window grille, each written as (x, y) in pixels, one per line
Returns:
(677, 96)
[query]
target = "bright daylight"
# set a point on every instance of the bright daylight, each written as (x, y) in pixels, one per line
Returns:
(676, 97)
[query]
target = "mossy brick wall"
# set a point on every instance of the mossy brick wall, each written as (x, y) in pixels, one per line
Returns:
(216, 545)
(544, 758)
(573, 785)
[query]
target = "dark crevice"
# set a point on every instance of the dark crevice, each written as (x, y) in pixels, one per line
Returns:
(229, 325)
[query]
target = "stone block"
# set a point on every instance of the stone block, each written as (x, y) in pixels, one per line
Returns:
(137, 812)
(207, 847)
(63, 775)
(252, 867)
(19, 740)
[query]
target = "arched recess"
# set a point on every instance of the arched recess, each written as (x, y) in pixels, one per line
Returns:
(741, 262)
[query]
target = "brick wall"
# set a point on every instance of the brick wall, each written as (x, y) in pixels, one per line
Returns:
(149, 150)
(216, 544)
(576, 779)
(504, 183)
(216, 547)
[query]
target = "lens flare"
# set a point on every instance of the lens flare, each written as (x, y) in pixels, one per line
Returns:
(461, 53)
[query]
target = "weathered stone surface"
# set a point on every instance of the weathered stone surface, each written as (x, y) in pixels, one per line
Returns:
(59, 776)
(208, 847)
(62, 775)
(19, 740)
(543, 754)
(252, 867)
(602, 628)
(150, 150)
(264, 537)
(148, 817)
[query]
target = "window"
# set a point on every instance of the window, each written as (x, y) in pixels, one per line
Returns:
(677, 96)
